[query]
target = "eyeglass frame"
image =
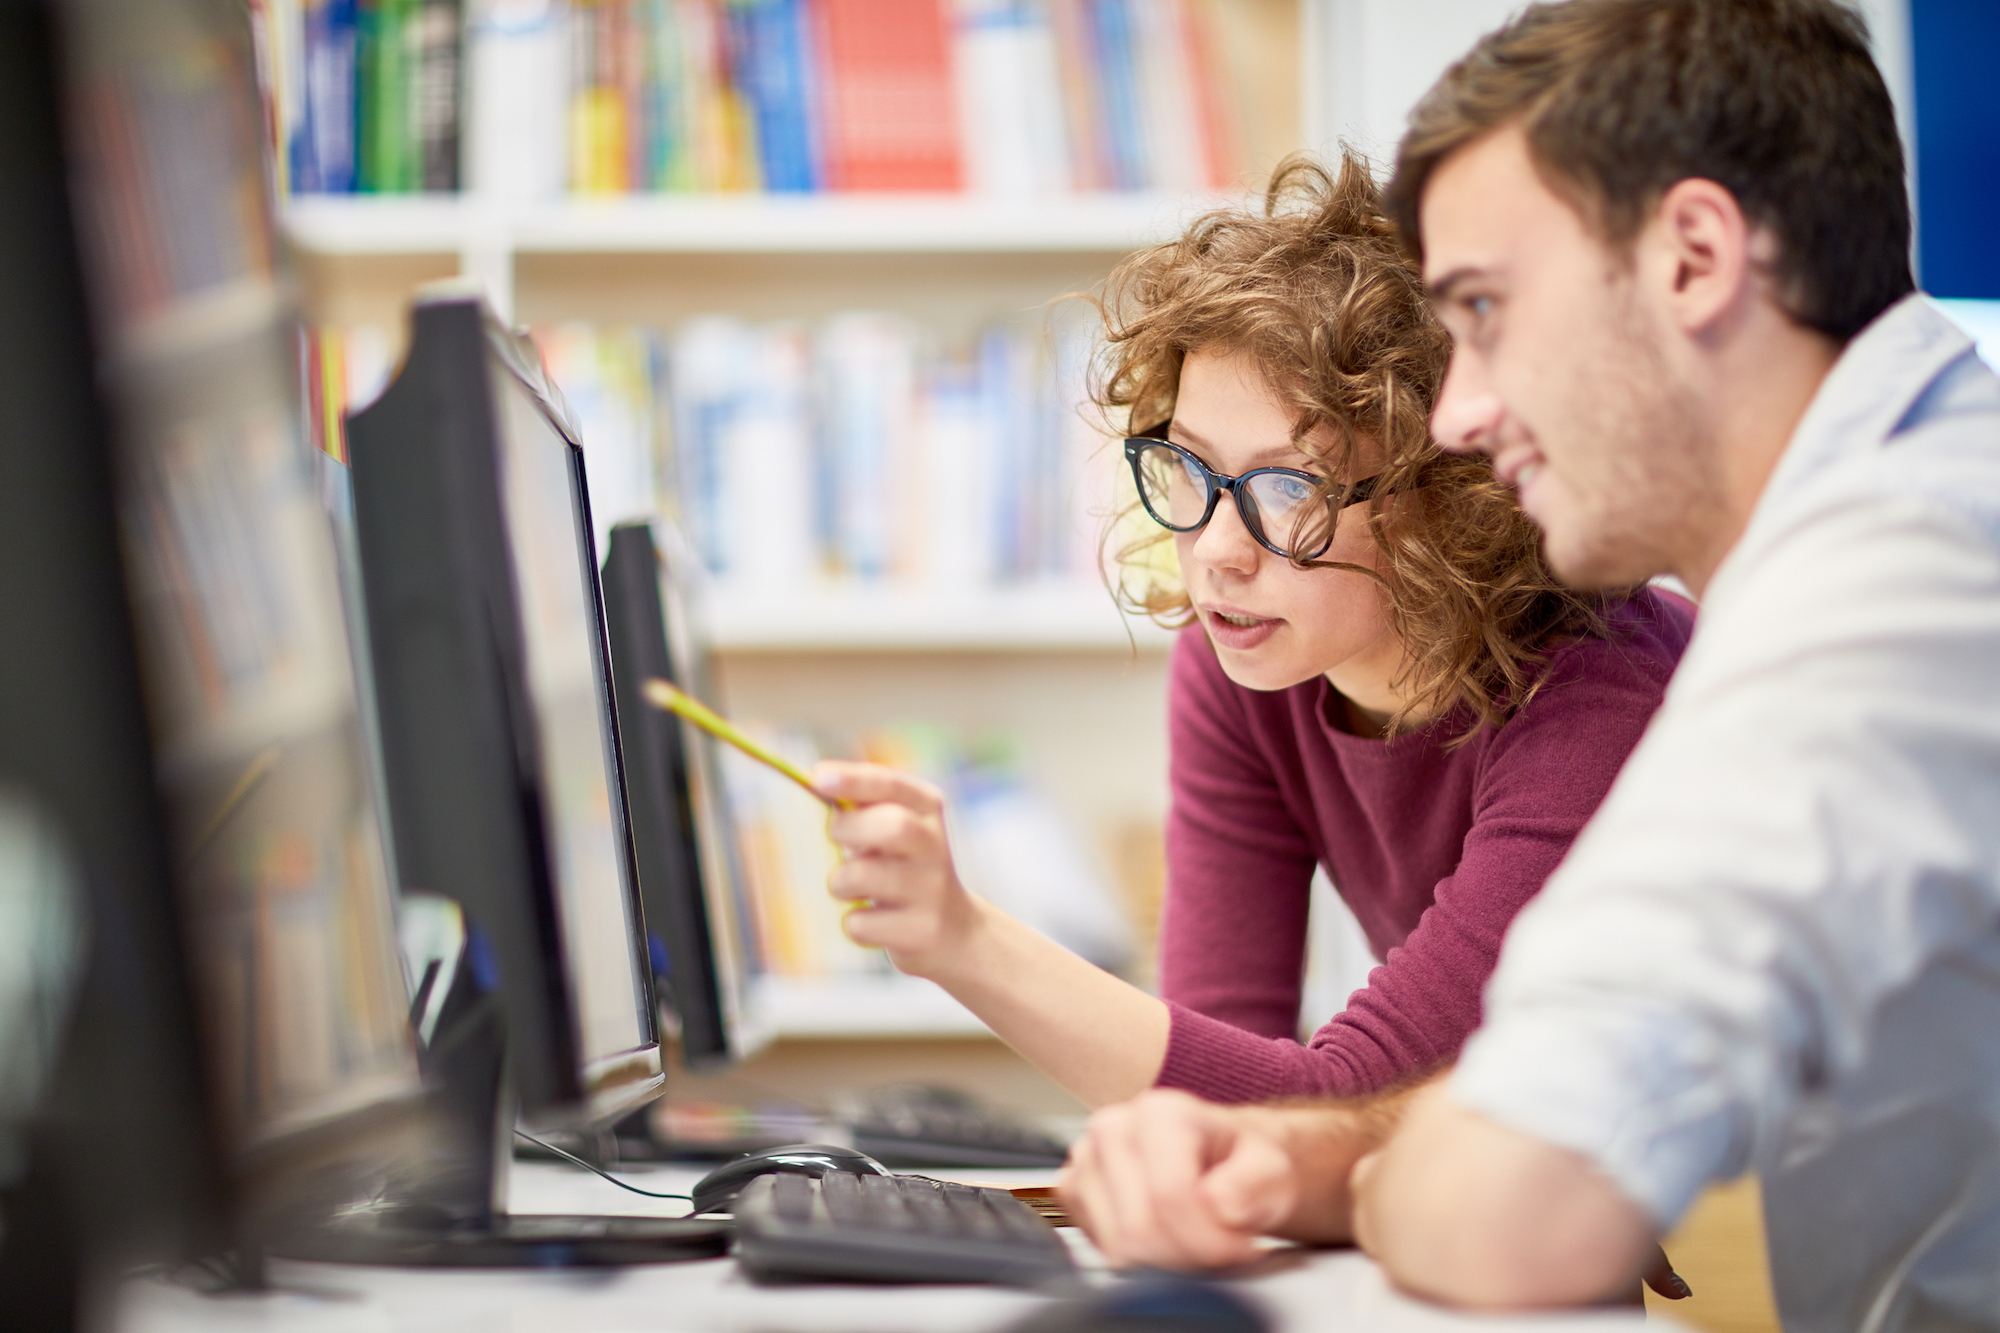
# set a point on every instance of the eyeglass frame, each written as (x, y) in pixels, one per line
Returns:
(1218, 482)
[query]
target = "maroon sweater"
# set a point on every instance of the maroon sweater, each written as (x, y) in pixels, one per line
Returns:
(1433, 849)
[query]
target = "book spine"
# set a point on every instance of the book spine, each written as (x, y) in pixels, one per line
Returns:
(437, 64)
(773, 38)
(743, 167)
(670, 132)
(1213, 105)
(890, 106)
(323, 145)
(1169, 103)
(1111, 29)
(1082, 94)
(380, 132)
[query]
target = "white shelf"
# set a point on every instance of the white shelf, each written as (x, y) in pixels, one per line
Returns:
(1023, 620)
(694, 224)
(859, 1007)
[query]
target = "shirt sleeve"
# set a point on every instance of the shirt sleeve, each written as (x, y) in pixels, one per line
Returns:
(1808, 826)
(1239, 867)
(1545, 775)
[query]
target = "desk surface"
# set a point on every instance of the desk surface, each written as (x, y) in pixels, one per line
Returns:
(1331, 1290)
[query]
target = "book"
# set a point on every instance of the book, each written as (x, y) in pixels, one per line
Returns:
(776, 67)
(1010, 98)
(887, 103)
(435, 54)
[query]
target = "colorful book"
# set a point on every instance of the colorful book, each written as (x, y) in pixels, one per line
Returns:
(888, 107)
(775, 65)
(322, 143)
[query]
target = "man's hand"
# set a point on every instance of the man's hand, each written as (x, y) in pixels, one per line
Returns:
(1167, 1180)
(1170, 1181)
(895, 866)
(1465, 1211)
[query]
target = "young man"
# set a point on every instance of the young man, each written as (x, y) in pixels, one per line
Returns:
(1669, 238)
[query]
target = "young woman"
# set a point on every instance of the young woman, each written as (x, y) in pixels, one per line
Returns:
(1379, 675)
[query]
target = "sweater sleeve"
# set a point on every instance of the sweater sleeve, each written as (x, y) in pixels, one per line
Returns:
(1544, 777)
(1239, 867)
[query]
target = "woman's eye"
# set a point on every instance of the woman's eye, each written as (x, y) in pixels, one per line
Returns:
(1293, 490)
(1480, 306)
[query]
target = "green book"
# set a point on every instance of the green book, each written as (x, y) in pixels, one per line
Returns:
(382, 100)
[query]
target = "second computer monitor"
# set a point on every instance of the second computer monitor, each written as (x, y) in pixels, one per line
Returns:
(499, 731)
(677, 828)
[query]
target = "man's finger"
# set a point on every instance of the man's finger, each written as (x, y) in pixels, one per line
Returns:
(1662, 1278)
(1254, 1188)
(1179, 1139)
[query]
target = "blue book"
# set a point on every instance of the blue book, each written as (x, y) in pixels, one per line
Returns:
(1118, 76)
(776, 68)
(322, 145)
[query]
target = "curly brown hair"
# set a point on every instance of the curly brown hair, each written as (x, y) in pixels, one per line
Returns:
(1318, 290)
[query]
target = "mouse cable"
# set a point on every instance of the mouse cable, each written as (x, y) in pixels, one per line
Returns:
(598, 1170)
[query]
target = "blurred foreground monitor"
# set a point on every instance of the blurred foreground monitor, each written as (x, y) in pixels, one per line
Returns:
(179, 725)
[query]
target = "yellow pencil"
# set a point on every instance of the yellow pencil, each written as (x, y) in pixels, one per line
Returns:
(663, 695)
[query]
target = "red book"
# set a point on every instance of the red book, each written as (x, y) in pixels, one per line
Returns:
(889, 118)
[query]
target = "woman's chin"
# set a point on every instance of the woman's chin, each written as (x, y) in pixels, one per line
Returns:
(1260, 671)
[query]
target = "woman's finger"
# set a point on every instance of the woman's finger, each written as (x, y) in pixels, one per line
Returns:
(885, 830)
(870, 784)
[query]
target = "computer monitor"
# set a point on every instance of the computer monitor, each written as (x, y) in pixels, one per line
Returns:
(507, 793)
(176, 695)
(693, 900)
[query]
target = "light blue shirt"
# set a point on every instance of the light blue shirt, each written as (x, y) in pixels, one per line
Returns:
(1777, 946)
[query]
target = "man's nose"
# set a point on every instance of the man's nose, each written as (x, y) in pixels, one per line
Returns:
(1467, 417)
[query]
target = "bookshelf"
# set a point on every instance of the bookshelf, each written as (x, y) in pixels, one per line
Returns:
(755, 224)
(1051, 662)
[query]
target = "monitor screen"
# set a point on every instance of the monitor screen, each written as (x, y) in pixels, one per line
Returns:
(556, 586)
(247, 662)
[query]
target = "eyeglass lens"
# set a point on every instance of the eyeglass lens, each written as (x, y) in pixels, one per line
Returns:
(1176, 493)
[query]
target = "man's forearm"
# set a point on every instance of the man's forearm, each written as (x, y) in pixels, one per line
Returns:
(1465, 1211)
(1324, 1140)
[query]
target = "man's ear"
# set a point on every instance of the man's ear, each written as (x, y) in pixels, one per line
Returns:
(1699, 253)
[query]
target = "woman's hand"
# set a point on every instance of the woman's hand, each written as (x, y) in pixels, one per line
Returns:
(896, 867)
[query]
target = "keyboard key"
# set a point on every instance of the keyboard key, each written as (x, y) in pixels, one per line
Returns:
(792, 1197)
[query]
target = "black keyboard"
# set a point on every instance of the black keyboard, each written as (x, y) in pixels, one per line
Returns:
(866, 1228)
(914, 1126)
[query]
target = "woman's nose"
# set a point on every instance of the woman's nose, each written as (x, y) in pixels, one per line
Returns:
(1226, 543)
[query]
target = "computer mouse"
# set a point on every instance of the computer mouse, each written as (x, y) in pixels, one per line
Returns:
(717, 1190)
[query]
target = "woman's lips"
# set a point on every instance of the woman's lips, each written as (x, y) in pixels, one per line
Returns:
(1238, 630)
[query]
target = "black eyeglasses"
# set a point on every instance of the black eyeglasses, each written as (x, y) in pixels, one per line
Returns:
(1180, 492)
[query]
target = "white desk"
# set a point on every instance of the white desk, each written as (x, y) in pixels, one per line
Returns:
(1323, 1290)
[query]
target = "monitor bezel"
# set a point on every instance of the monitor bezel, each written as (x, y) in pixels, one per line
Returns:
(610, 1085)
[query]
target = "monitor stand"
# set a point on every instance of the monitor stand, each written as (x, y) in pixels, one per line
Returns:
(452, 1212)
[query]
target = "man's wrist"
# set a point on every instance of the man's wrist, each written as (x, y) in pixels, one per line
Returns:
(1322, 1142)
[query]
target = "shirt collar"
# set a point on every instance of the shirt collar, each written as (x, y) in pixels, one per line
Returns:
(1871, 388)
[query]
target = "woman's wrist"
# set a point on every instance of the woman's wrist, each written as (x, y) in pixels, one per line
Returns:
(951, 955)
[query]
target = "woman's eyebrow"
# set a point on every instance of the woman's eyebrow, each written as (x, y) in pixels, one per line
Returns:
(1285, 455)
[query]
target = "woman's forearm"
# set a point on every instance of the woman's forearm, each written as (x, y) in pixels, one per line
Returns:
(1102, 1038)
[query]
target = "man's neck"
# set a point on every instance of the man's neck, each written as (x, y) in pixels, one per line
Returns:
(1762, 379)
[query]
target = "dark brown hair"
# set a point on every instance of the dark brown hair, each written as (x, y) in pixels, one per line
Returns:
(1318, 291)
(1777, 101)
